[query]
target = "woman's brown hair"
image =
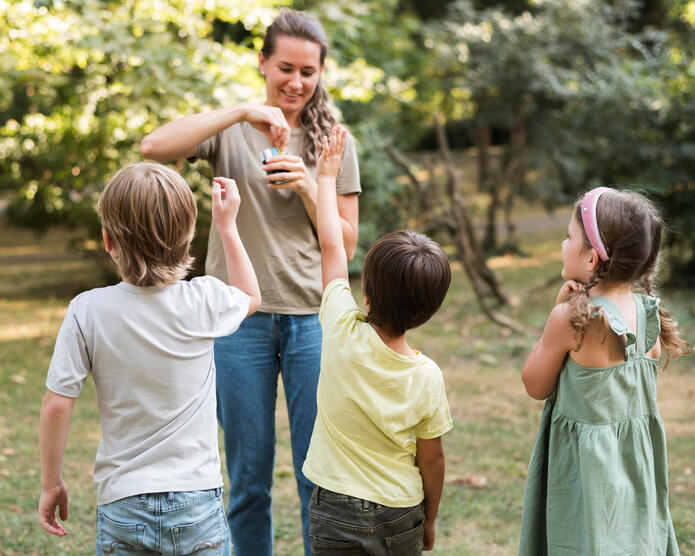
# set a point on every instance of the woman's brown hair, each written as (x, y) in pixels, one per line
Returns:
(149, 212)
(316, 118)
(630, 228)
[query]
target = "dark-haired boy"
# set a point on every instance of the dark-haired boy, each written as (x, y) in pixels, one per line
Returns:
(376, 454)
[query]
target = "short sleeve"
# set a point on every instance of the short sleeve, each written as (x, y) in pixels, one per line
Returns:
(436, 415)
(337, 304)
(229, 305)
(207, 150)
(234, 306)
(348, 180)
(71, 361)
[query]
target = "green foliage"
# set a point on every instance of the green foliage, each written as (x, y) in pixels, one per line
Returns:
(598, 101)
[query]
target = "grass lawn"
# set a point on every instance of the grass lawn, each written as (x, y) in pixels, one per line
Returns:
(487, 451)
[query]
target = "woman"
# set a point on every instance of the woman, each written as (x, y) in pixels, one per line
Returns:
(276, 223)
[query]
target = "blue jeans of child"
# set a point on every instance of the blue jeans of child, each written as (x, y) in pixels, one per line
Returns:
(344, 525)
(170, 523)
(248, 363)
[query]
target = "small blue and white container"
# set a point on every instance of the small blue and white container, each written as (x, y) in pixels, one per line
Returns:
(266, 155)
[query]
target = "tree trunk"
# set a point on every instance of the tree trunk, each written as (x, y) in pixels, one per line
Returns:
(482, 141)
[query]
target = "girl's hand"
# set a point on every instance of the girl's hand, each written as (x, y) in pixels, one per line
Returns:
(269, 120)
(331, 156)
(225, 204)
(293, 173)
(567, 290)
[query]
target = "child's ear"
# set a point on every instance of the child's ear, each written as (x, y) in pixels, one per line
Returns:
(108, 245)
(593, 262)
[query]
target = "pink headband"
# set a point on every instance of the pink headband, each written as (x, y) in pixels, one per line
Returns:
(588, 209)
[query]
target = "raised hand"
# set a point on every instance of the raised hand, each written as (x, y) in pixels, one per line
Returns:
(225, 203)
(331, 156)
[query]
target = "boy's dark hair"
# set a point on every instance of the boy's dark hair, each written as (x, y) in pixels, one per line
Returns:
(405, 278)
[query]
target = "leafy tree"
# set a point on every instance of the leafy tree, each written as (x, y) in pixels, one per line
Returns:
(81, 83)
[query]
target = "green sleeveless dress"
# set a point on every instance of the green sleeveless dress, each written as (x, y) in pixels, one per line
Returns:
(597, 482)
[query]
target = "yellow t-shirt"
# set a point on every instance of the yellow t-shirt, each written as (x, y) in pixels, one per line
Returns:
(372, 405)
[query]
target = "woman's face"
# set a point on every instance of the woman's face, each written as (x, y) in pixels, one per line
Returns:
(291, 75)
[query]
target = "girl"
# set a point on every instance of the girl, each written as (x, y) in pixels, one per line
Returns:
(597, 480)
(276, 221)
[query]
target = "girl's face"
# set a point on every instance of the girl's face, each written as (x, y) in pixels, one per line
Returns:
(576, 257)
(291, 75)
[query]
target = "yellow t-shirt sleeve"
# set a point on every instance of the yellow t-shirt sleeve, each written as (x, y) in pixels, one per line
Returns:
(337, 304)
(436, 415)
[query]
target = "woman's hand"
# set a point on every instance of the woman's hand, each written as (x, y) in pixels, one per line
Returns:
(292, 174)
(269, 120)
(567, 290)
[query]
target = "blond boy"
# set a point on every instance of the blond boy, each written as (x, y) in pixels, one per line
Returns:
(148, 344)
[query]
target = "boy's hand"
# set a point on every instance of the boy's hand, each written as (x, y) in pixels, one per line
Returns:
(332, 154)
(428, 538)
(225, 203)
(50, 499)
(567, 290)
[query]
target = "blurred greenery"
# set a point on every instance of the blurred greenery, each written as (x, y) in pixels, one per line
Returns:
(574, 93)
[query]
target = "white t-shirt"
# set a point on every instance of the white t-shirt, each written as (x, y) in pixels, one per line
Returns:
(150, 352)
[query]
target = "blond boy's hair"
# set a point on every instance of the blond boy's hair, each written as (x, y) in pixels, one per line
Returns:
(149, 212)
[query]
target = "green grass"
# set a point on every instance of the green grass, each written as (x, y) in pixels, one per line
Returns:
(487, 451)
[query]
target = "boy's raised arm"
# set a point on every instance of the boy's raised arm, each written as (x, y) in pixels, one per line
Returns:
(333, 257)
(56, 411)
(240, 271)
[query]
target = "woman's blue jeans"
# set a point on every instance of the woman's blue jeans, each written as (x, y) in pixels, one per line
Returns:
(248, 363)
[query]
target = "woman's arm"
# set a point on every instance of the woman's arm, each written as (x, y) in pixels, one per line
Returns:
(542, 367)
(180, 138)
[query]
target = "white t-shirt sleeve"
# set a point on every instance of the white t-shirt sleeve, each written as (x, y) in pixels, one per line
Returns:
(228, 305)
(71, 361)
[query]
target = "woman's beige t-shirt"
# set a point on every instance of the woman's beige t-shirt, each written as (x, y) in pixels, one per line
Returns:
(273, 224)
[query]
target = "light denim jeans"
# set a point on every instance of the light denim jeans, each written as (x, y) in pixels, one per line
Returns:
(167, 523)
(248, 363)
(345, 525)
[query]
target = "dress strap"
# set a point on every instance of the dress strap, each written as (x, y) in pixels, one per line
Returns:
(617, 323)
(641, 343)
